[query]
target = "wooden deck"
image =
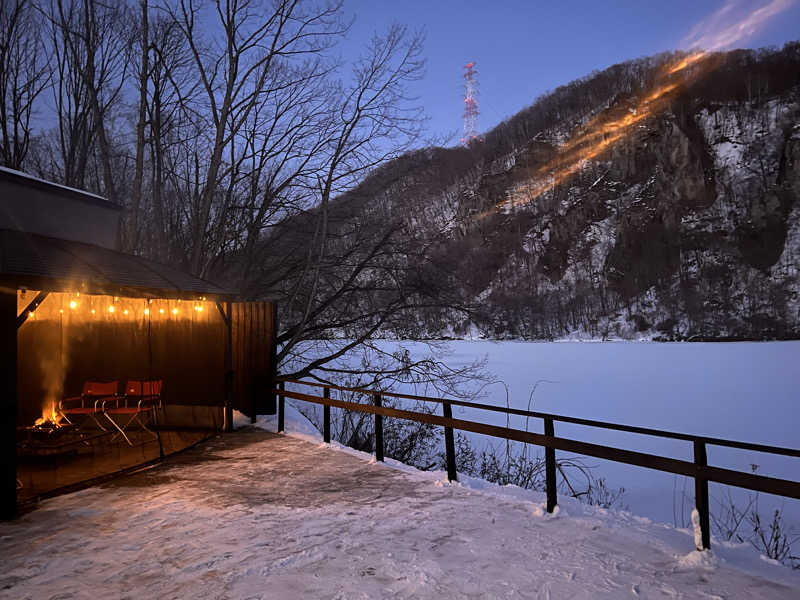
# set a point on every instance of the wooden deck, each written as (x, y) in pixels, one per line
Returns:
(43, 476)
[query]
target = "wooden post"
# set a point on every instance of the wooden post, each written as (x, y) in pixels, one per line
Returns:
(326, 418)
(701, 494)
(271, 407)
(281, 407)
(8, 403)
(378, 430)
(550, 467)
(449, 444)
(228, 369)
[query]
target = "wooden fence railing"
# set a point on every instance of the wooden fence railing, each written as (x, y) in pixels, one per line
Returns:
(699, 469)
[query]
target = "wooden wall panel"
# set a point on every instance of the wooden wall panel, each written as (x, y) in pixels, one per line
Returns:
(253, 355)
(61, 347)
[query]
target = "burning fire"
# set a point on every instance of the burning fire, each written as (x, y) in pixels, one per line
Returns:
(49, 416)
(608, 128)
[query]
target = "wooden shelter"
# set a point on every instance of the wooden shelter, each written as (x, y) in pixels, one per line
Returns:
(73, 308)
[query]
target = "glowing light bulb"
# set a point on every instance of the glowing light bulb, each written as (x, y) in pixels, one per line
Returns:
(111, 308)
(30, 314)
(125, 312)
(174, 311)
(93, 311)
(61, 310)
(161, 310)
(199, 309)
(147, 311)
(73, 305)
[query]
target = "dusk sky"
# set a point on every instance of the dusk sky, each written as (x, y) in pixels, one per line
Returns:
(523, 49)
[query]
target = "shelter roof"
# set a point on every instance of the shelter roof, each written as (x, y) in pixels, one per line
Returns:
(51, 264)
(29, 180)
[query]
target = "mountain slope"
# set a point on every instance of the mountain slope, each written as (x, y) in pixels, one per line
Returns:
(688, 226)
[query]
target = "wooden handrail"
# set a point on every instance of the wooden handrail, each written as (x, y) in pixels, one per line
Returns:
(758, 483)
(699, 469)
(565, 419)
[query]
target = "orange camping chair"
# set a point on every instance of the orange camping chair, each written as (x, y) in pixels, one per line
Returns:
(88, 404)
(138, 404)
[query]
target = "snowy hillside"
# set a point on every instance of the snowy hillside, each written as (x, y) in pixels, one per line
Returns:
(686, 227)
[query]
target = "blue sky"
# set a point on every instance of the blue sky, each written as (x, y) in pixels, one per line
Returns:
(523, 49)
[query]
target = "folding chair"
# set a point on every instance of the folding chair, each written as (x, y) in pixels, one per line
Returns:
(88, 403)
(138, 405)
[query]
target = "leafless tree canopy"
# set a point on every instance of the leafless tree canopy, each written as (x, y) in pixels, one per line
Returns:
(233, 134)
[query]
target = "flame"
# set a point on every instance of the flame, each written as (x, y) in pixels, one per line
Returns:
(49, 415)
(607, 129)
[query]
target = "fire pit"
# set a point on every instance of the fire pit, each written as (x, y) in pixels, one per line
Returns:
(51, 435)
(47, 431)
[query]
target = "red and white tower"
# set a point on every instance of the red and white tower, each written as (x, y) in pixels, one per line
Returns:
(470, 104)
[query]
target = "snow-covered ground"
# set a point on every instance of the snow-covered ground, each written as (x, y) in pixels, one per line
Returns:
(254, 515)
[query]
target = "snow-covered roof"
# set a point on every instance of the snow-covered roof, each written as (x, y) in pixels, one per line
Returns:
(31, 180)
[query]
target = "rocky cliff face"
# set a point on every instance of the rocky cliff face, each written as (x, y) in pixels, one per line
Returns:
(688, 227)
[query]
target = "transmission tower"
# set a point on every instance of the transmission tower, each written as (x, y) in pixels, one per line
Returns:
(470, 104)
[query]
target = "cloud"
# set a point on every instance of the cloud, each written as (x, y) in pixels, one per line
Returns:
(735, 22)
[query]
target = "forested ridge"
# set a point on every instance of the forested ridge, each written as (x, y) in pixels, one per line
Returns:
(688, 228)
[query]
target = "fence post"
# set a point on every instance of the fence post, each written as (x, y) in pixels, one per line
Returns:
(326, 418)
(550, 467)
(378, 430)
(701, 494)
(449, 444)
(281, 407)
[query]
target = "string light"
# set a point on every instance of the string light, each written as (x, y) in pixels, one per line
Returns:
(111, 308)
(147, 311)
(31, 315)
(73, 305)
(161, 310)
(61, 310)
(174, 311)
(93, 311)
(125, 312)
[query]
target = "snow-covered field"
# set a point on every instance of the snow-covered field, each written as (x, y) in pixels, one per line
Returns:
(259, 516)
(740, 391)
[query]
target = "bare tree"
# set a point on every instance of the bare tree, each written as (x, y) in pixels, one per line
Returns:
(236, 68)
(23, 76)
(90, 45)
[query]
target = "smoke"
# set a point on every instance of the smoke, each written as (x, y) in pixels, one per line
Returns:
(54, 352)
(53, 369)
(734, 23)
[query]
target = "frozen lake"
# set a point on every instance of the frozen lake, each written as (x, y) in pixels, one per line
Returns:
(742, 391)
